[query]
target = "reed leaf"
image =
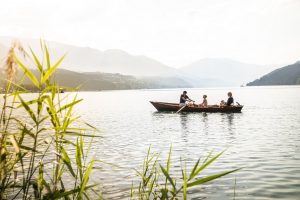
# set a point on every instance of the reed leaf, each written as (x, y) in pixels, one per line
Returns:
(81, 145)
(47, 56)
(210, 178)
(86, 177)
(29, 102)
(91, 126)
(51, 70)
(167, 175)
(202, 167)
(41, 176)
(169, 159)
(73, 133)
(24, 147)
(28, 72)
(70, 105)
(38, 64)
(28, 109)
(59, 195)
(14, 143)
(194, 169)
(184, 183)
(67, 161)
(78, 159)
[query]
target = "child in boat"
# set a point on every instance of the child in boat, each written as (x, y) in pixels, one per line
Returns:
(222, 103)
(204, 102)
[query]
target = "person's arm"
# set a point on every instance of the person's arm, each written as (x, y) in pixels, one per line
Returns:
(188, 98)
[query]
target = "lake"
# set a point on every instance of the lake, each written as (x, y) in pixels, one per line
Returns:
(264, 139)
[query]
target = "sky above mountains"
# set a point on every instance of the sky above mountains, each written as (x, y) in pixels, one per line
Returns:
(175, 32)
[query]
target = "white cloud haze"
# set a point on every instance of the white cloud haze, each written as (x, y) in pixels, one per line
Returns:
(175, 32)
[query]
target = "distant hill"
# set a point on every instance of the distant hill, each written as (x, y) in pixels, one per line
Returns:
(288, 75)
(95, 81)
(85, 59)
(224, 72)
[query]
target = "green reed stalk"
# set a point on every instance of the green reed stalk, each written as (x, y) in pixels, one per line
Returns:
(151, 186)
(47, 125)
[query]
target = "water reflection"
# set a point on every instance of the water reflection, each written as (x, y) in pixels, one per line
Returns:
(230, 117)
(228, 122)
(184, 127)
(205, 123)
(183, 122)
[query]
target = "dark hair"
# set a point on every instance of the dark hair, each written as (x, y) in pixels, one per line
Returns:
(205, 96)
(184, 92)
(229, 94)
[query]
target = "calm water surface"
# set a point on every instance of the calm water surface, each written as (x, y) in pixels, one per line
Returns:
(264, 139)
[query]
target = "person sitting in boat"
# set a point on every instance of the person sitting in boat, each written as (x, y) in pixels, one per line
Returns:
(222, 103)
(204, 102)
(230, 100)
(183, 99)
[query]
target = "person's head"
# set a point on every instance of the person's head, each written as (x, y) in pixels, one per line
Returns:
(184, 92)
(222, 101)
(204, 96)
(229, 94)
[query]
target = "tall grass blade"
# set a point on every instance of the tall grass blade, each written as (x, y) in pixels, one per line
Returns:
(168, 176)
(67, 161)
(59, 195)
(51, 70)
(28, 109)
(41, 176)
(78, 159)
(202, 167)
(86, 176)
(28, 73)
(169, 159)
(69, 105)
(194, 169)
(38, 64)
(184, 183)
(47, 56)
(14, 143)
(209, 178)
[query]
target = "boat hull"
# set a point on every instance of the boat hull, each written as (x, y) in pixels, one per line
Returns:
(173, 107)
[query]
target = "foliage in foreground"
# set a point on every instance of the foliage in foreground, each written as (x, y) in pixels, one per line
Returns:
(156, 181)
(37, 134)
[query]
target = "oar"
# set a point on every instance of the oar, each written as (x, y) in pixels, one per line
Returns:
(181, 108)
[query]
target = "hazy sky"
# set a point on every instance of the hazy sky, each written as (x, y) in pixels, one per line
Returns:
(176, 32)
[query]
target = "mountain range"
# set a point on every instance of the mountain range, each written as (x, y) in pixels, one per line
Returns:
(85, 59)
(288, 75)
(96, 81)
(208, 72)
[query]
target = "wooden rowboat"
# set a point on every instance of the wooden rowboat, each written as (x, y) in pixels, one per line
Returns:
(163, 106)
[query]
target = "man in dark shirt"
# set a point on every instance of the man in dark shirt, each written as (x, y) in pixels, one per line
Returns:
(184, 98)
(230, 100)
